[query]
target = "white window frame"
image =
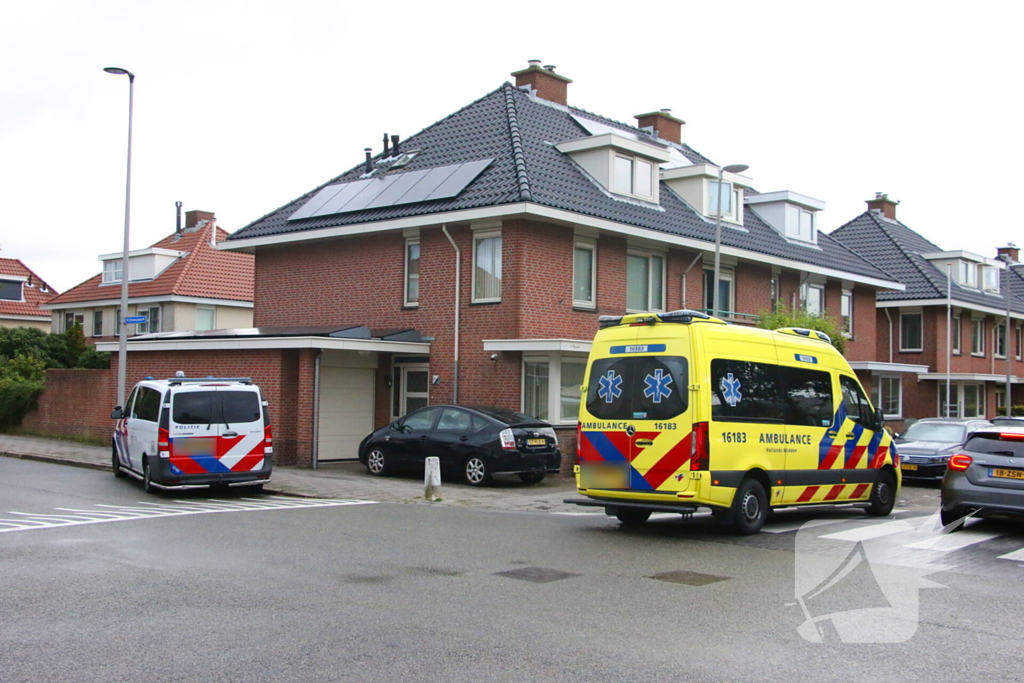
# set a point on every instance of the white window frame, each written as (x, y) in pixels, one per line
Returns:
(957, 398)
(639, 167)
(920, 317)
(1018, 341)
(399, 390)
(990, 272)
(805, 292)
(775, 293)
(478, 236)
(145, 328)
(409, 242)
(97, 331)
(725, 274)
(846, 300)
(957, 333)
(555, 361)
(21, 289)
(650, 256)
(206, 308)
(591, 246)
(999, 339)
(879, 395)
(110, 273)
(977, 335)
(76, 319)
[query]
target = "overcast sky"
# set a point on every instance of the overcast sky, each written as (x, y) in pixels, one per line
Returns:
(242, 106)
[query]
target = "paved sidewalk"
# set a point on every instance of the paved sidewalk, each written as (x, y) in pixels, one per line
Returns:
(338, 480)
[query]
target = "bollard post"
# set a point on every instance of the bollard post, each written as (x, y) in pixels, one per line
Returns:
(432, 479)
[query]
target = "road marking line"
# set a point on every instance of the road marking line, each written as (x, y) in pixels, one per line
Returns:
(950, 542)
(865, 533)
(1016, 556)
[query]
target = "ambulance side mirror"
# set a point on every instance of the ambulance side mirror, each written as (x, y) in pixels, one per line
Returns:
(879, 419)
(115, 414)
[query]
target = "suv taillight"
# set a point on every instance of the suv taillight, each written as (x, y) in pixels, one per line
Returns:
(700, 450)
(163, 442)
(268, 440)
(959, 462)
(508, 442)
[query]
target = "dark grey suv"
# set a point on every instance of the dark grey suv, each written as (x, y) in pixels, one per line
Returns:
(986, 476)
(927, 444)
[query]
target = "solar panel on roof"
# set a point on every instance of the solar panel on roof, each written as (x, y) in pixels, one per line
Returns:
(409, 187)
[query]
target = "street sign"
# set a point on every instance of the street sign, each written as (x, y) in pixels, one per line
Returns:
(135, 319)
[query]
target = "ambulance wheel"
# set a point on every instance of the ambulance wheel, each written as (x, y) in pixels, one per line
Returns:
(531, 477)
(749, 507)
(147, 478)
(883, 495)
(116, 464)
(475, 471)
(377, 463)
(632, 516)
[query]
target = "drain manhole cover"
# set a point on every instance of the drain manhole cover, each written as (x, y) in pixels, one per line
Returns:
(536, 574)
(689, 578)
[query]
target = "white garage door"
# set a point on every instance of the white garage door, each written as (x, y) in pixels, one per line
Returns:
(346, 412)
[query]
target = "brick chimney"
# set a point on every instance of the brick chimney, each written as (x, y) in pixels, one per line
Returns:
(882, 203)
(664, 124)
(543, 79)
(1010, 253)
(192, 218)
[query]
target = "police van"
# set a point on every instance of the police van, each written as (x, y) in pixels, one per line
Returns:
(187, 433)
(682, 410)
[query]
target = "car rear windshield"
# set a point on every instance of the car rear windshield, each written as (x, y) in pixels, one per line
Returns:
(930, 431)
(994, 443)
(638, 388)
(215, 407)
(510, 417)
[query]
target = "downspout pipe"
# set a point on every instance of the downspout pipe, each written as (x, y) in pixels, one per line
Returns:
(316, 409)
(889, 318)
(458, 292)
(700, 255)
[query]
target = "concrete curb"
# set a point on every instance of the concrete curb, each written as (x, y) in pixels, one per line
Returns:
(57, 460)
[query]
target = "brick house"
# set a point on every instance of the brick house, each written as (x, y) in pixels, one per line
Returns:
(22, 295)
(469, 263)
(954, 300)
(183, 282)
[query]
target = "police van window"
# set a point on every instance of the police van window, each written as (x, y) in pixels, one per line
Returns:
(638, 388)
(808, 396)
(193, 408)
(147, 405)
(857, 407)
(745, 392)
(237, 407)
(129, 404)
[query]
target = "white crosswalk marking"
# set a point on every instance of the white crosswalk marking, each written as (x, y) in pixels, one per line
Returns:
(25, 521)
(1016, 556)
(951, 542)
(866, 532)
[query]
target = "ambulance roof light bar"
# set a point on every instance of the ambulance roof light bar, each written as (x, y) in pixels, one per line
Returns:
(183, 380)
(804, 332)
(683, 315)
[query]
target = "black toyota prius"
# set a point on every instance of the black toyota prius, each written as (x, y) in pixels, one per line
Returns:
(476, 442)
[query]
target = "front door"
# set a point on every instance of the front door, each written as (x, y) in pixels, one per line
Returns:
(412, 388)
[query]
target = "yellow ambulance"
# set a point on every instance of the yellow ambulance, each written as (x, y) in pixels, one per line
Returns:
(681, 410)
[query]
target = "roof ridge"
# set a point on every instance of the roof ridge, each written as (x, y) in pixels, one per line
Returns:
(910, 255)
(517, 144)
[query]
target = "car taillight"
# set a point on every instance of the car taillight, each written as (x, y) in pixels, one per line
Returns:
(163, 442)
(700, 450)
(508, 442)
(1011, 436)
(268, 440)
(959, 462)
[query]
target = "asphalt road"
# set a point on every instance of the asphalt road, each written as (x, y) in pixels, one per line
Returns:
(103, 583)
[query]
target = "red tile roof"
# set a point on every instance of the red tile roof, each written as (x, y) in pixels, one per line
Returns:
(39, 293)
(203, 272)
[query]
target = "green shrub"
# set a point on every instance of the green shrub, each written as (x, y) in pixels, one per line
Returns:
(788, 317)
(17, 398)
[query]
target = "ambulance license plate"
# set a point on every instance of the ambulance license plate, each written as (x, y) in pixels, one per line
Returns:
(1006, 474)
(195, 446)
(536, 442)
(909, 468)
(598, 476)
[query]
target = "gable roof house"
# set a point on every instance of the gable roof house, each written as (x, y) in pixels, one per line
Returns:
(181, 283)
(489, 243)
(22, 293)
(950, 318)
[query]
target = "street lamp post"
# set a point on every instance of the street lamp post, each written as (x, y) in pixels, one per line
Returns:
(122, 348)
(715, 303)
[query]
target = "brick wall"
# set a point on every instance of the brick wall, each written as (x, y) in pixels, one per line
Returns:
(73, 405)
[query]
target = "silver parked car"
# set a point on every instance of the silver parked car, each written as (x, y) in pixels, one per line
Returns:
(986, 476)
(927, 445)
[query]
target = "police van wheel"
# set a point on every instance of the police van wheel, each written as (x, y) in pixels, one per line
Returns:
(749, 507)
(883, 495)
(632, 516)
(147, 478)
(116, 464)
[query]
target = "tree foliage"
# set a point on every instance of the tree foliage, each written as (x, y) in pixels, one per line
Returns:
(789, 317)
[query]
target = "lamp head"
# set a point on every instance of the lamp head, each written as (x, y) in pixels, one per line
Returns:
(735, 168)
(118, 71)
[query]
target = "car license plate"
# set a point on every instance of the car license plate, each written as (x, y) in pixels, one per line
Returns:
(195, 446)
(536, 442)
(1006, 474)
(909, 468)
(598, 476)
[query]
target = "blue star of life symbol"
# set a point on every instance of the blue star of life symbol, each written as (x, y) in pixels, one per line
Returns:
(611, 386)
(731, 390)
(657, 386)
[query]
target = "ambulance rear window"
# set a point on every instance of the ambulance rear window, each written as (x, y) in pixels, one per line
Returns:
(638, 388)
(216, 407)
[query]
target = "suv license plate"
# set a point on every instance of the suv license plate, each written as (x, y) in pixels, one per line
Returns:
(909, 468)
(1006, 474)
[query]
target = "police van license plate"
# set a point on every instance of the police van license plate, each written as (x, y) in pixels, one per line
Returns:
(195, 446)
(601, 476)
(909, 468)
(536, 442)
(1006, 474)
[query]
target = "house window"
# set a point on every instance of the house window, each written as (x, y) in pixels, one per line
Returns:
(1000, 401)
(806, 226)
(10, 290)
(412, 271)
(956, 334)
(112, 271)
(1019, 334)
(910, 332)
(965, 400)
(206, 318)
(584, 274)
(633, 176)
(775, 293)
(622, 181)
(645, 282)
(814, 298)
(967, 271)
(727, 198)
(726, 299)
(152, 323)
(846, 313)
(974, 400)
(888, 395)
(977, 336)
(999, 340)
(486, 267)
(117, 321)
(97, 323)
(551, 387)
(72, 319)
(991, 279)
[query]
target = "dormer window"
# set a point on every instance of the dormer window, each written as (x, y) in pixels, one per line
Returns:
(967, 269)
(793, 215)
(991, 279)
(10, 290)
(698, 185)
(620, 162)
(112, 271)
(633, 176)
